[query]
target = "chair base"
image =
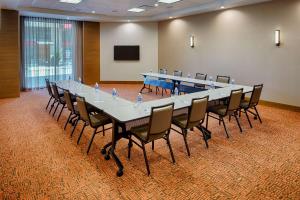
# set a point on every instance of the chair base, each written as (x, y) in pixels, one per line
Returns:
(142, 146)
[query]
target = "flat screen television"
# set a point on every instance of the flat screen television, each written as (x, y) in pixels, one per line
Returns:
(127, 52)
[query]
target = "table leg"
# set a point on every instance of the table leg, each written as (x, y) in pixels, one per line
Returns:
(115, 138)
(144, 87)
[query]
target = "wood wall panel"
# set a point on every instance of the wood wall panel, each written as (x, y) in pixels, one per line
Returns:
(9, 54)
(91, 52)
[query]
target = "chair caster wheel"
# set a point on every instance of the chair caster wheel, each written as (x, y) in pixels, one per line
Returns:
(120, 173)
(107, 157)
(103, 151)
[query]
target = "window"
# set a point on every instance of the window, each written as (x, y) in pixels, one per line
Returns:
(49, 50)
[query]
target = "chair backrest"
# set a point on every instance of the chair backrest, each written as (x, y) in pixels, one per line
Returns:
(197, 111)
(177, 73)
(255, 96)
(163, 71)
(200, 76)
(68, 99)
(223, 79)
(55, 91)
(81, 105)
(160, 119)
(234, 100)
(48, 87)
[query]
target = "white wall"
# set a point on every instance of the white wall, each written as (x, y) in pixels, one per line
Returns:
(143, 34)
(240, 42)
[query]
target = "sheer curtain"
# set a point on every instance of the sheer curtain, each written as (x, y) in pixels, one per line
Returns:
(51, 48)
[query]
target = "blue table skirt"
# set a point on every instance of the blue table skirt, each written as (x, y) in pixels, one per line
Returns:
(170, 85)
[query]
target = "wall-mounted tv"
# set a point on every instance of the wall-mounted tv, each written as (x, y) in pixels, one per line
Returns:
(127, 52)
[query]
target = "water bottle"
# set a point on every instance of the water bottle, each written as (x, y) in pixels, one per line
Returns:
(232, 81)
(176, 92)
(189, 75)
(97, 88)
(139, 99)
(80, 86)
(114, 93)
(211, 83)
(150, 70)
(69, 81)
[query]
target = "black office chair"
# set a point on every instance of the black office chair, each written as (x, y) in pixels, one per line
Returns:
(158, 128)
(200, 76)
(95, 121)
(223, 79)
(48, 85)
(231, 109)
(194, 118)
(59, 100)
(74, 113)
(252, 103)
(177, 73)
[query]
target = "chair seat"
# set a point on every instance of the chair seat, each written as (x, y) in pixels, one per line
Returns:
(197, 85)
(180, 120)
(142, 131)
(244, 104)
(218, 109)
(90, 109)
(99, 120)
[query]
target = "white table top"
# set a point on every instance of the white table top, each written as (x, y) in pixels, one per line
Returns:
(184, 79)
(123, 110)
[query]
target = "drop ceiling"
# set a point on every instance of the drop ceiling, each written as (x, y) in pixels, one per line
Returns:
(117, 10)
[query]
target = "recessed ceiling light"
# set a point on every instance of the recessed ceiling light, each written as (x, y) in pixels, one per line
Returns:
(93, 12)
(136, 10)
(222, 7)
(156, 4)
(168, 1)
(71, 1)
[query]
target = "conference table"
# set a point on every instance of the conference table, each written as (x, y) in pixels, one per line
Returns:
(157, 79)
(123, 112)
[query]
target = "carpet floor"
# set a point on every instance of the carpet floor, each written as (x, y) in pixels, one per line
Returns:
(39, 160)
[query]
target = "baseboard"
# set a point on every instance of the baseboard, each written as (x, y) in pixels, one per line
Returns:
(122, 82)
(279, 105)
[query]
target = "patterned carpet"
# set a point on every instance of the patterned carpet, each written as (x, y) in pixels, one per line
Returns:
(38, 160)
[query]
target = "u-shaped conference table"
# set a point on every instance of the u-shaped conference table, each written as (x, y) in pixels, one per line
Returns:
(123, 111)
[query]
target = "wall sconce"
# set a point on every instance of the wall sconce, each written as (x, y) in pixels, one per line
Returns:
(277, 38)
(192, 41)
